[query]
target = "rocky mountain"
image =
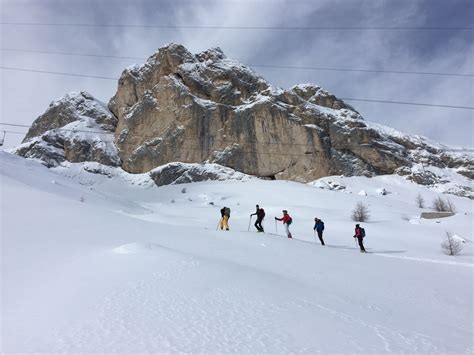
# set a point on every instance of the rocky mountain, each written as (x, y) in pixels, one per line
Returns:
(195, 108)
(75, 128)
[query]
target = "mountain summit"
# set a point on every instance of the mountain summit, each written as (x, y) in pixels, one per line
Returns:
(207, 108)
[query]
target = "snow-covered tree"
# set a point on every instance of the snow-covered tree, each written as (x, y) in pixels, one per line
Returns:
(450, 245)
(420, 201)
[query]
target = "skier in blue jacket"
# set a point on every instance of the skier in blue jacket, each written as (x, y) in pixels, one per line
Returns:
(319, 227)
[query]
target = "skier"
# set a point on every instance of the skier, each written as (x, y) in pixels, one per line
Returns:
(287, 220)
(360, 234)
(319, 227)
(225, 213)
(260, 213)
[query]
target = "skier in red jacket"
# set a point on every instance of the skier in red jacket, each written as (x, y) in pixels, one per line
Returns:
(360, 234)
(287, 220)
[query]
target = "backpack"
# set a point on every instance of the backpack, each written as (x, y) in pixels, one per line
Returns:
(261, 213)
(362, 232)
(322, 225)
(290, 220)
(227, 211)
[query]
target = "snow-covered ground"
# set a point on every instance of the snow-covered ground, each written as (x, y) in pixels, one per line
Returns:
(92, 263)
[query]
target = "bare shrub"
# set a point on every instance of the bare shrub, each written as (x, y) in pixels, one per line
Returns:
(360, 213)
(420, 201)
(450, 245)
(451, 207)
(441, 205)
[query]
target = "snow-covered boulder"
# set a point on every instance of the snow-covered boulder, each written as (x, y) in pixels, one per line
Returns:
(182, 173)
(336, 185)
(321, 184)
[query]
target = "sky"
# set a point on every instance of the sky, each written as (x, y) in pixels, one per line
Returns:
(25, 95)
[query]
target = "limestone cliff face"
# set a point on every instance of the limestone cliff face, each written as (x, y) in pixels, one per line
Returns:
(205, 107)
(197, 108)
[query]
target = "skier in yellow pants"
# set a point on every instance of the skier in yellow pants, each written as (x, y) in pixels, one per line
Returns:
(225, 213)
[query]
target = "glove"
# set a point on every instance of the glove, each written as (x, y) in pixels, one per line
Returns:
(276, 218)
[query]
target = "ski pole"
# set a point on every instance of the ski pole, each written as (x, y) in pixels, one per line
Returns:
(250, 220)
(218, 223)
(276, 227)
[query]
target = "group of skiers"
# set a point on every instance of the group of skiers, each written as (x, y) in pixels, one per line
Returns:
(287, 220)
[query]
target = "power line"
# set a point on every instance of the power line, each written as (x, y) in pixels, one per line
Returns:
(359, 70)
(136, 136)
(342, 98)
(272, 28)
(250, 65)
(14, 125)
(71, 54)
(59, 73)
(14, 132)
(314, 152)
(189, 148)
(408, 103)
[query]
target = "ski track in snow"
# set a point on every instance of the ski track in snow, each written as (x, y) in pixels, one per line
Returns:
(378, 253)
(423, 260)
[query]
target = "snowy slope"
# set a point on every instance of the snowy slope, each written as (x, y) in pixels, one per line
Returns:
(140, 268)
